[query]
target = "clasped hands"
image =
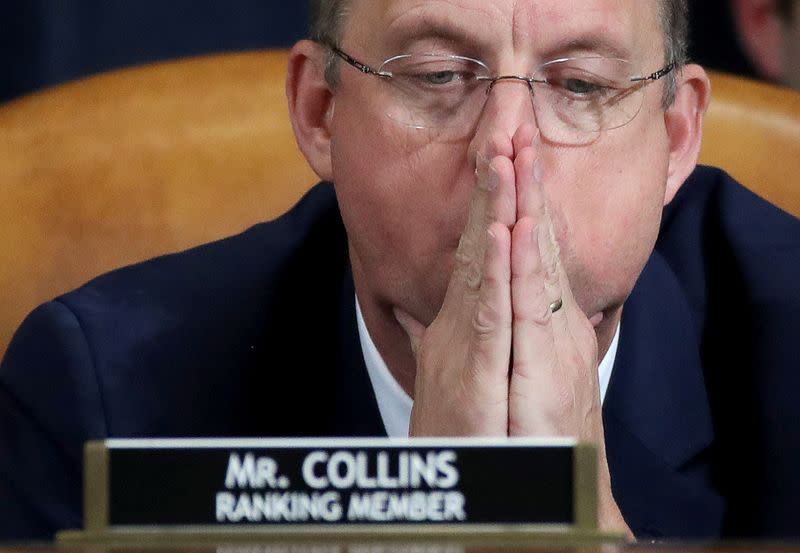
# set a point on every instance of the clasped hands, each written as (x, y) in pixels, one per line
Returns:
(502, 358)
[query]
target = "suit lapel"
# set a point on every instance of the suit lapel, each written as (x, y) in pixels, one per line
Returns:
(657, 421)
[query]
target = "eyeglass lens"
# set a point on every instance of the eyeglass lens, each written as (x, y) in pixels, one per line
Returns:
(573, 99)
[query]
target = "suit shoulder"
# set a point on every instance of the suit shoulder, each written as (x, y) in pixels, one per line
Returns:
(236, 268)
(712, 198)
(209, 316)
(717, 225)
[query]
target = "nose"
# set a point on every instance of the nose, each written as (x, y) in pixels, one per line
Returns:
(509, 103)
(508, 107)
(512, 78)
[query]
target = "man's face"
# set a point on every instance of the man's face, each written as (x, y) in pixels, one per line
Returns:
(404, 192)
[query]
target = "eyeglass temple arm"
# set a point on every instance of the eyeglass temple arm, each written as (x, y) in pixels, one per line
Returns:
(363, 67)
(657, 75)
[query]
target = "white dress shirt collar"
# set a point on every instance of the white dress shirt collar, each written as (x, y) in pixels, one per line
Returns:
(395, 404)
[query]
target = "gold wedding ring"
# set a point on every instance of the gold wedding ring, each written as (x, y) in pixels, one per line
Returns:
(556, 305)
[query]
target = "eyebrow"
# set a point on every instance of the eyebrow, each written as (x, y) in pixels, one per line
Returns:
(592, 42)
(425, 27)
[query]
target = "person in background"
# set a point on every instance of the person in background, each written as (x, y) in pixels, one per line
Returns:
(769, 32)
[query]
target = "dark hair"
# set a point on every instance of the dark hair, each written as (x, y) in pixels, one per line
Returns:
(328, 16)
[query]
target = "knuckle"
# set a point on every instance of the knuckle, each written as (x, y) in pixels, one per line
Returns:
(528, 365)
(528, 314)
(473, 277)
(551, 252)
(499, 144)
(465, 249)
(467, 266)
(487, 320)
(551, 276)
(550, 266)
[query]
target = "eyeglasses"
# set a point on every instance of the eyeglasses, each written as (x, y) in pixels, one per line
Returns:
(574, 99)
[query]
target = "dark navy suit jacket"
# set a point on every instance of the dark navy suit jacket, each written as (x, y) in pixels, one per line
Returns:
(255, 335)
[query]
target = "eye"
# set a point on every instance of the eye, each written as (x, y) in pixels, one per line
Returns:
(434, 75)
(441, 77)
(581, 87)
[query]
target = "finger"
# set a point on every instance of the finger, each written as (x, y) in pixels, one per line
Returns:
(533, 284)
(550, 255)
(531, 202)
(523, 137)
(530, 191)
(569, 322)
(490, 345)
(493, 199)
(543, 387)
(532, 333)
(493, 163)
(461, 385)
(572, 333)
(413, 328)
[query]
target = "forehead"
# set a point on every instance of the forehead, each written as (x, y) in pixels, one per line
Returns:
(537, 27)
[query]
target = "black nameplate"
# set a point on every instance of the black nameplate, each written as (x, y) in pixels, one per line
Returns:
(299, 482)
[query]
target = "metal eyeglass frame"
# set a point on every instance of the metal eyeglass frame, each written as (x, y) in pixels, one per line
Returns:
(364, 68)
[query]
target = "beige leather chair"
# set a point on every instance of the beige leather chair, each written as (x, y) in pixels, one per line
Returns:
(752, 130)
(121, 167)
(124, 166)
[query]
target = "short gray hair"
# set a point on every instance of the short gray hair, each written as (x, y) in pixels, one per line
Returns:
(328, 16)
(327, 26)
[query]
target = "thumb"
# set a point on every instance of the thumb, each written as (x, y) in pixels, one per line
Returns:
(413, 328)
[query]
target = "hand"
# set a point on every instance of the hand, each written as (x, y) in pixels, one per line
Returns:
(498, 301)
(501, 298)
(461, 385)
(554, 388)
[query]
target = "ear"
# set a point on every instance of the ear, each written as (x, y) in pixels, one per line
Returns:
(684, 124)
(760, 30)
(310, 105)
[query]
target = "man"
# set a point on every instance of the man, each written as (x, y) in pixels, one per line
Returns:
(769, 31)
(500, 172)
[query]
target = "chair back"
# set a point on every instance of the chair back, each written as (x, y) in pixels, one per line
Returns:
(752, 130)
(117, 168)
